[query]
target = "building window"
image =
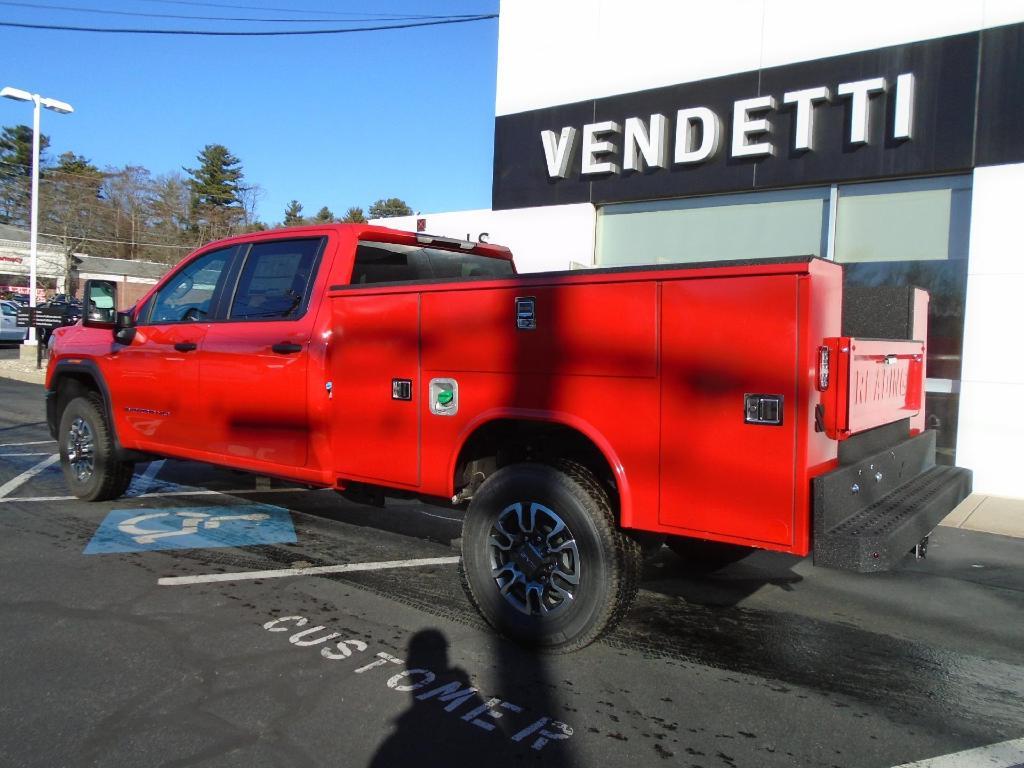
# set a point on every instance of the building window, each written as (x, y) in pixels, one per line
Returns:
(719, 228)
(919, 220)
(910, 232)
(916, 233)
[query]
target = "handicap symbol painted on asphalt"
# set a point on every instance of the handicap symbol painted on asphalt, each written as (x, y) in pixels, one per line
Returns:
(137, 530)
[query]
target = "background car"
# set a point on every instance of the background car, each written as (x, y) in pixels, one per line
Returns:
(9, 330)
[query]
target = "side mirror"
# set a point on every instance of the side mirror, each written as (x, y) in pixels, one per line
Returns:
(99, 300)
(124, 328)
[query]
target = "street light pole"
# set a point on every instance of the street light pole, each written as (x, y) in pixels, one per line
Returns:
(57, 106)
(33, 237)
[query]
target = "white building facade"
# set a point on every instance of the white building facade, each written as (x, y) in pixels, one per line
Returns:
(885, 136)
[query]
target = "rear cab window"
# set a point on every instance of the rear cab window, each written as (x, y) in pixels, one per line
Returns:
(377, 262)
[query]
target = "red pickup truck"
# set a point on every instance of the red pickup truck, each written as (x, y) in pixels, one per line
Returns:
(580, 415)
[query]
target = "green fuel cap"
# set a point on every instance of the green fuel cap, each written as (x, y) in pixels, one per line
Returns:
(444, 397)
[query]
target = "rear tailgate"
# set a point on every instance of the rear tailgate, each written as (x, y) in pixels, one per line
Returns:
(875, 382)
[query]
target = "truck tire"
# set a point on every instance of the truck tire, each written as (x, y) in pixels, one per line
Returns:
(87, 452)
(542, 558)
(701, 556)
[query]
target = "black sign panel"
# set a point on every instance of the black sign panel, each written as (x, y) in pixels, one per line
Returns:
(40, 317)
(944, 104)
(1001, 96)
(49, 318)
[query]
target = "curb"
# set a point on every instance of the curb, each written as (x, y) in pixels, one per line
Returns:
(28, 377)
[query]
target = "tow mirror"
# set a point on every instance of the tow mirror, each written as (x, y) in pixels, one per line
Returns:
(124, 328)
(100, 304)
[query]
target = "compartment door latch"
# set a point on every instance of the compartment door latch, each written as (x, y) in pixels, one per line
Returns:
(763, 409)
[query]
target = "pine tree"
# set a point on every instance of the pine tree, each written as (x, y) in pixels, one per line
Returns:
(392, 206)
(16, 172)
(293, 214)
(324, 216)
(354, 216)
(217, 192)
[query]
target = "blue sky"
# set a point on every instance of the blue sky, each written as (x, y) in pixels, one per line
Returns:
(335, 120)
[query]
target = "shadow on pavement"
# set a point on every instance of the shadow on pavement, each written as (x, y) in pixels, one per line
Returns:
(449, 722)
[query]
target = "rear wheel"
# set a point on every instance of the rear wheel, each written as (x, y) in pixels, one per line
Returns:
(542, 558)
(87, 452)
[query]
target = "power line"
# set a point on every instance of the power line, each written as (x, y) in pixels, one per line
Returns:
(108, 12)
(238, 33)
(122, 242)
(293, 10)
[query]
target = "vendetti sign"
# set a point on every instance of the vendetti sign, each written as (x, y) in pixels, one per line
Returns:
(644, 143)
(937, 106)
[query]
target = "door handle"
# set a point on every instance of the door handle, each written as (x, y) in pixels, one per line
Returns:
(286, 348)
(185, 346)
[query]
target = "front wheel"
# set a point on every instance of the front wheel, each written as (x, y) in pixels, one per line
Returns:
(87, 454)
(542, 558)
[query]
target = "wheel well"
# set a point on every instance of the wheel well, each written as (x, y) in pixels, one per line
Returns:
(509, 441)
(72, 385)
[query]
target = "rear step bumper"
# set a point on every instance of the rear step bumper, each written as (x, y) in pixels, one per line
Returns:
(870, 514)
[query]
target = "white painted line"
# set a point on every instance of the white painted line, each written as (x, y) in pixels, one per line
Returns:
(145, 481)
(36, 442)
(312, 571)
(27, 475)
(439, 517)
(1005, 754)
(197, 492)
(33, 453)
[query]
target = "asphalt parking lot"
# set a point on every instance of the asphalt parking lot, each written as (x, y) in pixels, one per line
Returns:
(214, 618)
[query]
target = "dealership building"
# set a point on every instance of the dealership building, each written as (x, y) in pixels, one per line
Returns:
(886, 136)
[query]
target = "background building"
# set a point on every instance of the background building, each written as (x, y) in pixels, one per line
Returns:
(134, 278)
(885, 136)
(15, 263)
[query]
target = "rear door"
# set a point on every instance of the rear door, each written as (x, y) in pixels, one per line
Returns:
(253, 388)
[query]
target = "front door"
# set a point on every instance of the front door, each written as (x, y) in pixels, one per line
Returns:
(154, 381)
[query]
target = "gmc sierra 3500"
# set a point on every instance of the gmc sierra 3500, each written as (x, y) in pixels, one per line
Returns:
(718, 407)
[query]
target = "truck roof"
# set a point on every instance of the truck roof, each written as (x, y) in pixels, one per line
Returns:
(372, 232)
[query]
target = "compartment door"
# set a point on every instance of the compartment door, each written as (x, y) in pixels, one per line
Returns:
(375, 371)
(723, 340)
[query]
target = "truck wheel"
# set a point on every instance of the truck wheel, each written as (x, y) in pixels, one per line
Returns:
(542, 558)
(87, 452)
(701, 556)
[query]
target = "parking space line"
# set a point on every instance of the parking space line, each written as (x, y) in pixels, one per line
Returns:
(311, 571)
(27, 475)
(34, 442)
(195, 492)
(33, 453)
(1005, 754)
(145, 480)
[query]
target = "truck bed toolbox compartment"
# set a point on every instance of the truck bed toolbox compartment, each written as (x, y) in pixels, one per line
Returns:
(869, 514)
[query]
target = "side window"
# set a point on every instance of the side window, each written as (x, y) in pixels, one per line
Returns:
(188, 295)
(389, 263)
(276, 279)
(8, 310)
